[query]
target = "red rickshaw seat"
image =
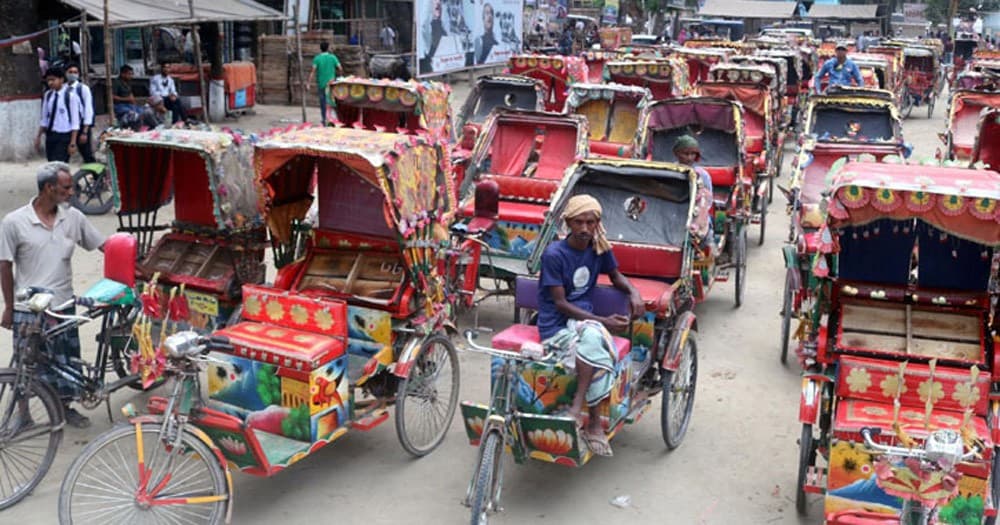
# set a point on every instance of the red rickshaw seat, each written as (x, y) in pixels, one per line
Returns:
(524, 188)
(511, 339)
(855, 414)
(611, 149)
(722, 175)
(281, 346)
(656, 295)
(662, 262)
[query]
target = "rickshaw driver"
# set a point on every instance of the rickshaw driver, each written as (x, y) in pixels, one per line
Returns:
(569, 272)
(841, 70)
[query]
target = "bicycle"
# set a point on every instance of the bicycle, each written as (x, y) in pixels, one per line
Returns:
(157, 467)
(31, 411)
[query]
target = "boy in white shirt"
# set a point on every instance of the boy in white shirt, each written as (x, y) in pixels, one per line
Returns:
(83, 138)
(60, 118)
(162, 85)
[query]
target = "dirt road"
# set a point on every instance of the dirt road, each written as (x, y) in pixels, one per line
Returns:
(736, 465)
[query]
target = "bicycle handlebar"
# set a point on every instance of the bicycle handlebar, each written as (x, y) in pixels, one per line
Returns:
(471, 335)
(947, 437)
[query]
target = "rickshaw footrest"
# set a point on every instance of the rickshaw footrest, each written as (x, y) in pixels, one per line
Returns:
(371, 421)
(815, 480)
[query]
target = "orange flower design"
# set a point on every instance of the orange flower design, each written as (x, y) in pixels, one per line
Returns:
(555, 442)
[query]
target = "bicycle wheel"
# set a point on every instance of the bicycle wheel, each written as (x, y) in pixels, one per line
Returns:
(740, 263)
(103, 484)
(487, 482)
(30, 433)
(678, 396)
(764, 200)
(92, 191)
(426, 400)
(807, 459)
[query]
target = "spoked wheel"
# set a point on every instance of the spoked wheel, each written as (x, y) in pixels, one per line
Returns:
(185, 484)
(807, 458)
(787, 307)
(426, 400)
(762, 205)
(30, 432)
(92, 191)
(488, 481)
(930, 106)
(740, 263)
(678, 395)
(907, 104)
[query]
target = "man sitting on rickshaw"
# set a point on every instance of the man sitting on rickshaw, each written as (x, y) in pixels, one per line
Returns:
(569, 272)
(841, 71)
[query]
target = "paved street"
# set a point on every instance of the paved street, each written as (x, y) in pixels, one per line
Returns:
(736, 465)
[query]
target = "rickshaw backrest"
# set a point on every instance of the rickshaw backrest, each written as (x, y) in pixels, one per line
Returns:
(878, 252)
(946, 262)
(348, 203)
(529, 189)
(718, 147)
(606, 300)
(119, 258)
(513, 144)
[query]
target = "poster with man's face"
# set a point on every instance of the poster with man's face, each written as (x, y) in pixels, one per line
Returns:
(456, 34)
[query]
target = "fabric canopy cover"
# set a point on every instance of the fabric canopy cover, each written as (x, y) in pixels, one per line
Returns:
(213, 168)
(960, 201)
(126, 13)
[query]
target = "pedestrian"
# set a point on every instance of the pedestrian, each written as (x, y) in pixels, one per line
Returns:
(326, 67)
(60, 118)
(121, 94)
(84, 138)
(36, 249)
(162, 85)
(388, 37)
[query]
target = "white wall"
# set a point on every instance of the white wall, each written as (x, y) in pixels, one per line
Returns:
(19, 122)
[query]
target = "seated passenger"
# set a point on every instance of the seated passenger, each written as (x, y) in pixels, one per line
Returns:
(565, 316)
(688, 152)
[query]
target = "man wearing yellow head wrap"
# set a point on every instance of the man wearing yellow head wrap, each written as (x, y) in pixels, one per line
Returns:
(570, 268)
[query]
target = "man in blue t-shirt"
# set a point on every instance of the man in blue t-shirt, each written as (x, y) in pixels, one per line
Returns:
(565, 315)
(841, 70)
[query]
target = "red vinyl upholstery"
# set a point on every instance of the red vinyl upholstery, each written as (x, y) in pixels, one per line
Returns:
(119, 258)
(611, 149)
(285, 347)
(514, 212)
(524, 188)
(656, 295)
(722, 175)
(662, 262)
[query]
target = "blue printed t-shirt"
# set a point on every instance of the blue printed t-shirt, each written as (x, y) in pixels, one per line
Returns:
(576, 271)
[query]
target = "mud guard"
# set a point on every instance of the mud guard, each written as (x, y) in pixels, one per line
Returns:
(408, 356)
(811, 397)
(204, 438)
(682, 328)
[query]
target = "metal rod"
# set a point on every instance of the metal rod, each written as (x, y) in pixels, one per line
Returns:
(197, 64)
(110, 101)
(298, 51)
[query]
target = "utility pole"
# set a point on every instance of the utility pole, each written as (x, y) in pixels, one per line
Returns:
(952, 9)
(197, 62)
(108, 64)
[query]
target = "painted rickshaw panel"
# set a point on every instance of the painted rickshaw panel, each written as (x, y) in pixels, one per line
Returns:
(410, 105)
(664, 77)
(596, 59)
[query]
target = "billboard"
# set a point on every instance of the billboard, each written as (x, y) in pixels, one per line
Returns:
(455, 34)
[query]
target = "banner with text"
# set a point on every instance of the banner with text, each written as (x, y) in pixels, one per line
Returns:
(455, 34)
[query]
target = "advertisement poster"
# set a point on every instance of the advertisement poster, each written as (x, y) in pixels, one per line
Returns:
(609, 15)
(455, 34)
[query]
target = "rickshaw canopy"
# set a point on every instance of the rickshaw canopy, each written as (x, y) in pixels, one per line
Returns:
(828, 116)
(424, 103)
(717, 123)
(612, 110)
(212, 169)
(381, 184)
(507, 91)
(665, 77)
(960, 201)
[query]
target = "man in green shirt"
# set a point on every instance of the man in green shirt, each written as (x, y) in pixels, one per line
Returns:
(326, 67)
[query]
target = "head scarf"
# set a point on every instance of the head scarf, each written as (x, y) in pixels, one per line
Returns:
(685, 141)
(581, 204)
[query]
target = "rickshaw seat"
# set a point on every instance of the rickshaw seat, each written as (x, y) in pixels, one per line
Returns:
(606, 301)
(656, 295)
(529, 189)
(517, 212)
(854, 414)
(660, 262)
(281, 346)
(722, 175)
(611, 149)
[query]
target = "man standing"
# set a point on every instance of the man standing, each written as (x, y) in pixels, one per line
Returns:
(326, 67)
(570, 268)
(84, 137)
(388, 37)
(36, 247)
(162, 85)
(60, 120)
(841, 70)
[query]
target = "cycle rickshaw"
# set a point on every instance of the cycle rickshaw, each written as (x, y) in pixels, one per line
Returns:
(557, 72)
(612, 112)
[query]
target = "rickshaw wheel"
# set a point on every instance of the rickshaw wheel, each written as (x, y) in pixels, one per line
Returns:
(92, 192)
(907, 104)
(786, 316)
(425, 406)
(487, 482)
(740, 263)
(930, 107)
(678, 396)
(807, 458)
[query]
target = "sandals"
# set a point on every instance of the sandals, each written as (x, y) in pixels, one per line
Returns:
(597, 443)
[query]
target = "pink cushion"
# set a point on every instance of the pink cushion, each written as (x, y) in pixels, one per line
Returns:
(514, 336)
